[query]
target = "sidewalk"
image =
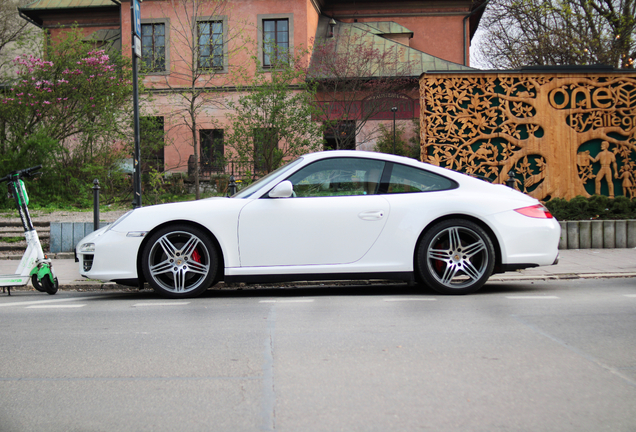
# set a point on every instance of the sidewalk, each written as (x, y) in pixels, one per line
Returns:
(580, 263)
(573, 263)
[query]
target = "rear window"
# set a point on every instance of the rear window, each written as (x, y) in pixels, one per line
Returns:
(406, 179)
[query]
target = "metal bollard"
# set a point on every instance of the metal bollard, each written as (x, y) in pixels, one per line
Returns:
(231, 188)
(511, 179)
(95, 205)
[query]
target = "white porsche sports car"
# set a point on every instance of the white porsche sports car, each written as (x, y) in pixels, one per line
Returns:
(325, 216)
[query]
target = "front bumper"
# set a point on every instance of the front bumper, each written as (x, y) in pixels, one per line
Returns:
(114, 256)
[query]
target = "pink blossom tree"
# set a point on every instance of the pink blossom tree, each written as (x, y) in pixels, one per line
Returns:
(68, 109)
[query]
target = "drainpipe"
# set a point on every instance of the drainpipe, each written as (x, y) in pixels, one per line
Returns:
(483, 5)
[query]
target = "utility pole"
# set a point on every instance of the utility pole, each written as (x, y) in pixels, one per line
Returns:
(135, 12)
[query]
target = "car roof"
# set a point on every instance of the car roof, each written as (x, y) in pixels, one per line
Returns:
(327, 154)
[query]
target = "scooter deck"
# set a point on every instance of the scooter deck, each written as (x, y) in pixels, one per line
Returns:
(14, 280)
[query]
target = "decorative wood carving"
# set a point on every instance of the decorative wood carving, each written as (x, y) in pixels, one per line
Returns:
(562, 134)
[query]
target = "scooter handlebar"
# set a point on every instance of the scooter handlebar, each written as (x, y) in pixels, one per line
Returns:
(26, 172)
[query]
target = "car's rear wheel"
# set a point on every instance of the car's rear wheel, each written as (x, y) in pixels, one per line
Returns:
(180, 261)
(455, 256)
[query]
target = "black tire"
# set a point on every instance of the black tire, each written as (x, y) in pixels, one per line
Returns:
(36, 283)
(455, 256)
(180, 261)
(46, 285)
(50, 287)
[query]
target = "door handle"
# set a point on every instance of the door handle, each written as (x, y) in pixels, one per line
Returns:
(371, 215)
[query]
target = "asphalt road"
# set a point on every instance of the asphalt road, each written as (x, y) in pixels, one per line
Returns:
(541, 356)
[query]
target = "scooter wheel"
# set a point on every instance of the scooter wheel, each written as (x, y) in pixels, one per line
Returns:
(50, 288)
(36, 283)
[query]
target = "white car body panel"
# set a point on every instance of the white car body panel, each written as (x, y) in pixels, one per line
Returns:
(345, 235)
(310, 231)
(219, 215)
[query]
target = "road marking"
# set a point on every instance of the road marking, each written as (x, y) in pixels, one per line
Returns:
(532, 297)
(35, 302)
(161, 304)
(55, 306)
(288, 301)
(408, 299)
(630, 295)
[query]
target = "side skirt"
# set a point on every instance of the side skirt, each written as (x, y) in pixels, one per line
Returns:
(404, 276)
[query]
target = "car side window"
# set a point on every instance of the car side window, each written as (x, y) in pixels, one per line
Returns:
(338, 177)
(405, 179)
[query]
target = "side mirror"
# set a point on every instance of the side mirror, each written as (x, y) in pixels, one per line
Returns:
(283, 189)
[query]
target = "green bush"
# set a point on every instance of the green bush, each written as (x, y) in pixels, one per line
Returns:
(384, 143)
(595, 207)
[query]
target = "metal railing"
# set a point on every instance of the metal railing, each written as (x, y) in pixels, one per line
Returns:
(241, 170)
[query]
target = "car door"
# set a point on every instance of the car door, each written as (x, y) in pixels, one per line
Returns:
(334, 217)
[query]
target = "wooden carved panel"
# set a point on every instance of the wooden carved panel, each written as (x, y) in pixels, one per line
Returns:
(562, 134)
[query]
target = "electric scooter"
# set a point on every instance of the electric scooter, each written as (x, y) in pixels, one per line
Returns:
(34, 264)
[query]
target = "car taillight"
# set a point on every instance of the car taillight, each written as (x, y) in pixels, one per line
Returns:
(535, 211)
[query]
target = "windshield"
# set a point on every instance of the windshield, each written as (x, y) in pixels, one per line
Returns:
(248, 191)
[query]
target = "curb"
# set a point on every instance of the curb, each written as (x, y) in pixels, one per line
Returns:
(59, 255)
(496, 278)
(563, 276)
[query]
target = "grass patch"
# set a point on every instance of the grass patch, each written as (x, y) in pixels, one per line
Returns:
(12, 239)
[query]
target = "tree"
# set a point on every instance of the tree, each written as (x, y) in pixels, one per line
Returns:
(68, 111)
(354, 78)
(559, 32)
(273, 117)
(203, 42)
(14, 33)
(402, 147)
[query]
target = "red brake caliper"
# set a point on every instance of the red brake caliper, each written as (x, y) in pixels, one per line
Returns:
(439, 265)
(196, 256)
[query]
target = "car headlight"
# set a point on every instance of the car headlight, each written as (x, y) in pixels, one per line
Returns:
(87, 248)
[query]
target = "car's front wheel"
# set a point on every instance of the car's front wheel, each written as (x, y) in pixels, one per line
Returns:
(455, 256)
(180, 261)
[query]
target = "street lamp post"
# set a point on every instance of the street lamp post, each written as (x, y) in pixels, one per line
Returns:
(136, 53)
(394, 110)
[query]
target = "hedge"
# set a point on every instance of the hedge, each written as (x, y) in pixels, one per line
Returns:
(595, 207)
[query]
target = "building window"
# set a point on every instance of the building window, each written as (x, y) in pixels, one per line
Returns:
(341, 136)
(152, 143)
(275, 42)
(212, 150)
(153, 47)
(210, 44)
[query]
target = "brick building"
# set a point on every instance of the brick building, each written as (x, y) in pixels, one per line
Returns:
(431, 35)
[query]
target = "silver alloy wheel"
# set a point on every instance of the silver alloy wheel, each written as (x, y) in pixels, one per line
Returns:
(457, 257)
(179, 262)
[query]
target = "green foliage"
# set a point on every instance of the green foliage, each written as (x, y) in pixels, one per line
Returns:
(384, 144)
(595, 207)
(272, 119)
(12, 239)
(67, 111)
